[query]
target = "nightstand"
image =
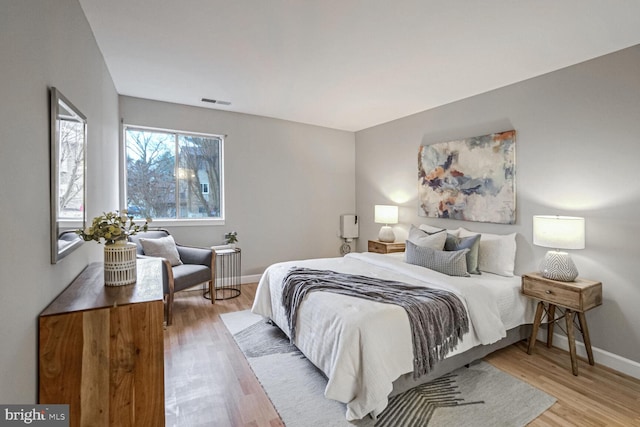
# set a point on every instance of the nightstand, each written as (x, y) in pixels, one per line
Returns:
(385, 248)
(571, 297)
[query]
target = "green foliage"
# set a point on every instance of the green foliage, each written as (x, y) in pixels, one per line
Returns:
(112, 227)
(231, 237)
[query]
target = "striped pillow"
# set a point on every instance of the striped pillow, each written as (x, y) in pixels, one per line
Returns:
(452, 263)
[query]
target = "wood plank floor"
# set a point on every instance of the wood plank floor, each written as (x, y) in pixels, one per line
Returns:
(209, 383)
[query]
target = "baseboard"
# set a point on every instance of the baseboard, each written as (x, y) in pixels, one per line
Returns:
(253, 278)
(602, 357)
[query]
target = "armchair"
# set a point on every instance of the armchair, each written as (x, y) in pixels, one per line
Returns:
(182, 266)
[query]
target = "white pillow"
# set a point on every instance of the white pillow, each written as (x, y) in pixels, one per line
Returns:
(424, 239)
(164, 247)
(497, 253)
(429, 229)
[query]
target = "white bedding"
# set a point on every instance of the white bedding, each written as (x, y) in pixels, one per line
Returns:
(363, 346)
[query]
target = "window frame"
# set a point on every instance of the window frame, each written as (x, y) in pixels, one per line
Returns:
(171, 222)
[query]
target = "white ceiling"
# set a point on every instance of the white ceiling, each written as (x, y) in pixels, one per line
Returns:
(347, 64)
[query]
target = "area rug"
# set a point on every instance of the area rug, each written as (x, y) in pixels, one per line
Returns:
(480, 395)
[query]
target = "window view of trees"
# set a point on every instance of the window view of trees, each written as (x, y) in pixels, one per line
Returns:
(173, 175)
(71, 169)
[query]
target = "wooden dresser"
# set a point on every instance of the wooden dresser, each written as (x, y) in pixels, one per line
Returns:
(101, 349)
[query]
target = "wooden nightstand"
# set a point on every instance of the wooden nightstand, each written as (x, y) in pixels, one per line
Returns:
(385, 248)
(572, 297)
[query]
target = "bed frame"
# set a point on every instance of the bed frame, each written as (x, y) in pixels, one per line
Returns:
(450, 364)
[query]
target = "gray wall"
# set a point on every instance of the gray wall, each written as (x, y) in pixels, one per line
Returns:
(578, 149)
(44, 44)
(286, 183)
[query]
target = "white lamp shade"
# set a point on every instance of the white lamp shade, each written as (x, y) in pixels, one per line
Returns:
(558, 232)
(385, 214)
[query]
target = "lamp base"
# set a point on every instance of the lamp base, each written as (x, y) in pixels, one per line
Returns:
(386, 234)
(558, 266)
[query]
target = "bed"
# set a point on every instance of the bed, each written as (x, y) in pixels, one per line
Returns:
(364, 347)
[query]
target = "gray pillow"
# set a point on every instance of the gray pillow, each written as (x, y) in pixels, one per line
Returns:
(452, 263)
(427, 240)
(163, 247)
(472, 243)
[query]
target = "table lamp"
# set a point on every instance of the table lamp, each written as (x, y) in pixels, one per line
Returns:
(559, 232)
(385, 214)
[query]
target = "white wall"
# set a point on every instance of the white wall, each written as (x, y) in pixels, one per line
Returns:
(43, 44)
(286, 183)
(578, 147)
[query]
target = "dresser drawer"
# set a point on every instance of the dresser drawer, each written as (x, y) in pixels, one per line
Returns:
(377, 247)
(580, 295)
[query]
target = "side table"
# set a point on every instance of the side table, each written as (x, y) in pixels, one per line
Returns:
(571, 297)
(385, 248)
(228, 271)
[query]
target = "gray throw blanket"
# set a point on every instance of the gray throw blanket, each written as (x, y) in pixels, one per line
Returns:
(438, 318)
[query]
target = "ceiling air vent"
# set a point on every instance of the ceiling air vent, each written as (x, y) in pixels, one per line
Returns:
(215, 101)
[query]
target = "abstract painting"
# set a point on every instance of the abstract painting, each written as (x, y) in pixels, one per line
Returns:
(471, 179)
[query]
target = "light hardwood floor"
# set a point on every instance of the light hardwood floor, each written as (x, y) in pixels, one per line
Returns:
(209, 383)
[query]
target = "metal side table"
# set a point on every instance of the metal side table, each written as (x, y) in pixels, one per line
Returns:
(228, 268)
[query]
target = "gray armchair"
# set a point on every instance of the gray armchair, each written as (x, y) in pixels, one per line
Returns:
(195, 266)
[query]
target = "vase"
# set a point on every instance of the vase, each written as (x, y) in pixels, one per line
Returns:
(120, 263)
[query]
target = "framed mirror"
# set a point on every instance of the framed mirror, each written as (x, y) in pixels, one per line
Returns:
(68, 175)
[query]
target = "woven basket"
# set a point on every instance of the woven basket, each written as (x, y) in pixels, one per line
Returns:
(120, 264)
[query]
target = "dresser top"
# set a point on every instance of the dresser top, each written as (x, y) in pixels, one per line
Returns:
(88, 292)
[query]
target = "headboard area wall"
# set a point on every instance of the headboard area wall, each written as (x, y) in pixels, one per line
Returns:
(576, 154)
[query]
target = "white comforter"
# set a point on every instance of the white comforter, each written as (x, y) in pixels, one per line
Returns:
(363, 346)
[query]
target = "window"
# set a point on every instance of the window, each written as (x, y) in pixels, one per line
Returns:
(173, 175)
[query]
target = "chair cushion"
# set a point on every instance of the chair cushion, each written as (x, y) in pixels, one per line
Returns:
(188, 275)
(191, 255)
(164, 247)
